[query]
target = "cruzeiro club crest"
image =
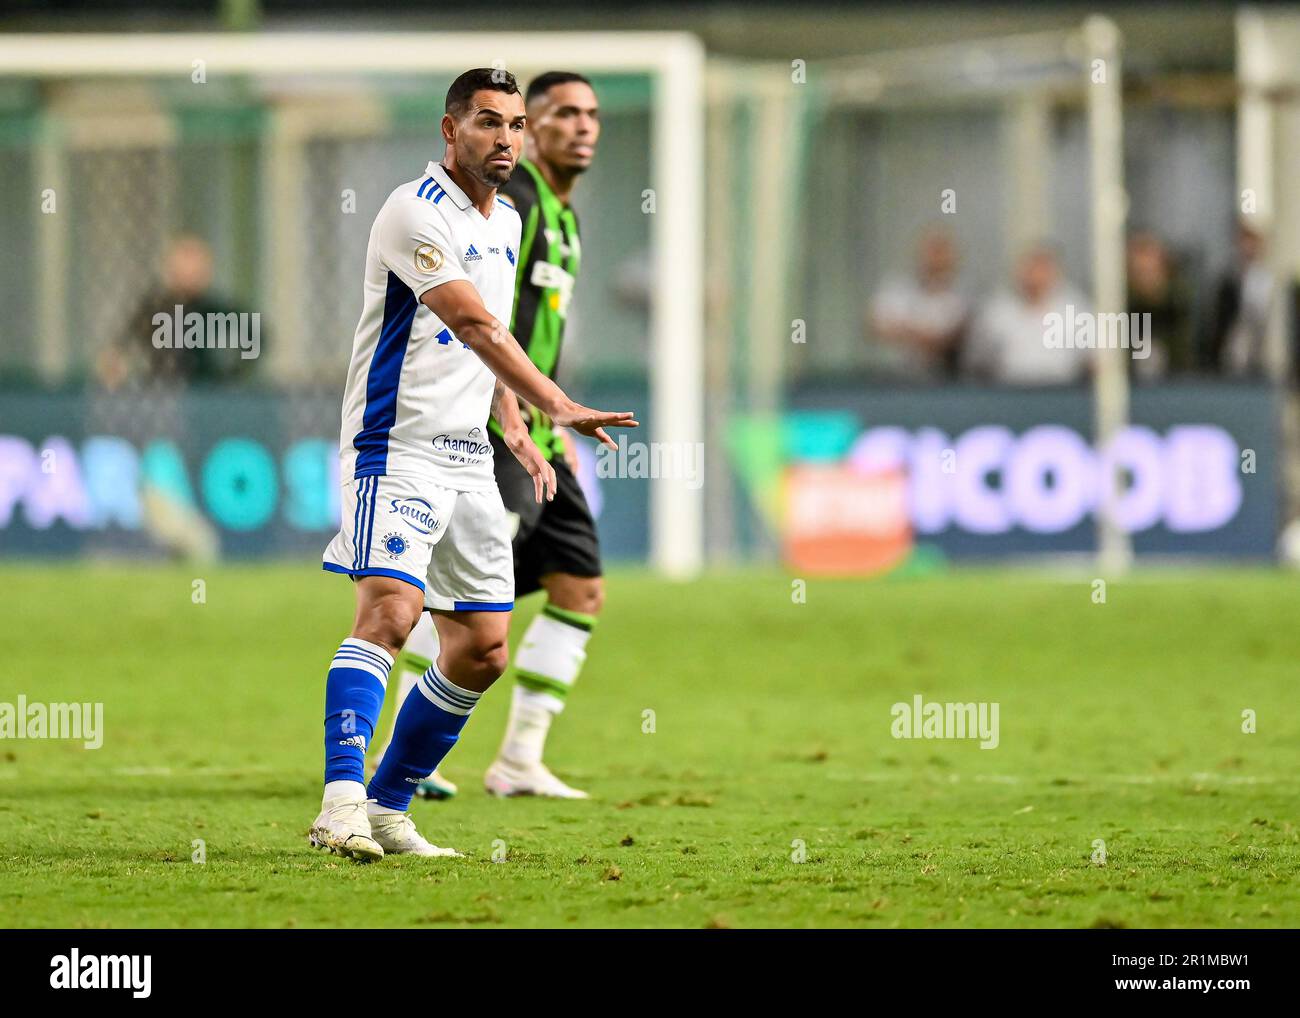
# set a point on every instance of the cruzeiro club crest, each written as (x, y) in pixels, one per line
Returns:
(395, 545)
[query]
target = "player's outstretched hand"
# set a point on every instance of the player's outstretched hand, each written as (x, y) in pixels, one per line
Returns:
(592, 423)
(538, 466)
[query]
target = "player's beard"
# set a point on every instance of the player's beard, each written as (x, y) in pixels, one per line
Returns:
(490, 176)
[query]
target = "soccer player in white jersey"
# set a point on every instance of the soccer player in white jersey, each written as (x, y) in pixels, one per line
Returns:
(556, 546)
(423, 526)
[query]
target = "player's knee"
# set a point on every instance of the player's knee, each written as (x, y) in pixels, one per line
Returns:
(387, 621)
(489, 658)
(495, 659)
(585, 594)
(591, 596)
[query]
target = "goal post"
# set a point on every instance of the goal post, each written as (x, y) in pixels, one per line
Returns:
(1105, 105)
(673, 195)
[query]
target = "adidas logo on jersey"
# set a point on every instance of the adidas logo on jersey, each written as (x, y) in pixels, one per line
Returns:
(472, 254)
(356, 741)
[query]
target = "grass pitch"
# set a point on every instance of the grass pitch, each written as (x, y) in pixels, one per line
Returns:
(1119, 722)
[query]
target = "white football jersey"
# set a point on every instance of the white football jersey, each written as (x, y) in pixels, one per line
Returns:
(417, 400)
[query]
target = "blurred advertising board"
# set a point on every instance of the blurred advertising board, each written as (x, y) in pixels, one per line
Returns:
(978, 472)
(846, 480)
(230, 473)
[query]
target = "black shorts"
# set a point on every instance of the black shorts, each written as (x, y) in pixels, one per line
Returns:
(552, 537)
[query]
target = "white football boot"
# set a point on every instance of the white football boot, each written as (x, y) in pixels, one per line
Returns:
(507, 779)
(344, 829)
(397, 834)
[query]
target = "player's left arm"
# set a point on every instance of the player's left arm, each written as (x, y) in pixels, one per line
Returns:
(505, 408)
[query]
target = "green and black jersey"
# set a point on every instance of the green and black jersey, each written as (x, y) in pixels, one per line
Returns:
(549, 252)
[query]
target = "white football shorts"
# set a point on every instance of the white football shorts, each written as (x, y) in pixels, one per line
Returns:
(453, 545)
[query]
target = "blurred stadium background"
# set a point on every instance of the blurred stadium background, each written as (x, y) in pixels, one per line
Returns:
(891, 198)
(820, 242)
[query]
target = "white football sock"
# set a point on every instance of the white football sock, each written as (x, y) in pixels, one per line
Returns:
(547, 664)
(343, 790)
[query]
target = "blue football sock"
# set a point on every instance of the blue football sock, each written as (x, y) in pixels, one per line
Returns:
(354, 696)
(428, 725)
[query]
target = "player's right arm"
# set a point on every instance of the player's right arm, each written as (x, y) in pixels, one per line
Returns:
(459, 307)
(414, 244)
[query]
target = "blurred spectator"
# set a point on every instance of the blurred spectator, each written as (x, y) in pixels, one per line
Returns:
(1155, 289)
(187, 272)
(1007, 344)
(1242, 303)
(923, 314)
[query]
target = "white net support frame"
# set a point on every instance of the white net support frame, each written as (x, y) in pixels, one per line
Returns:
(675, 63)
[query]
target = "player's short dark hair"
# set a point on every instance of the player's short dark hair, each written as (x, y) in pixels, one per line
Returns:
(476, 80)
(543, 83)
